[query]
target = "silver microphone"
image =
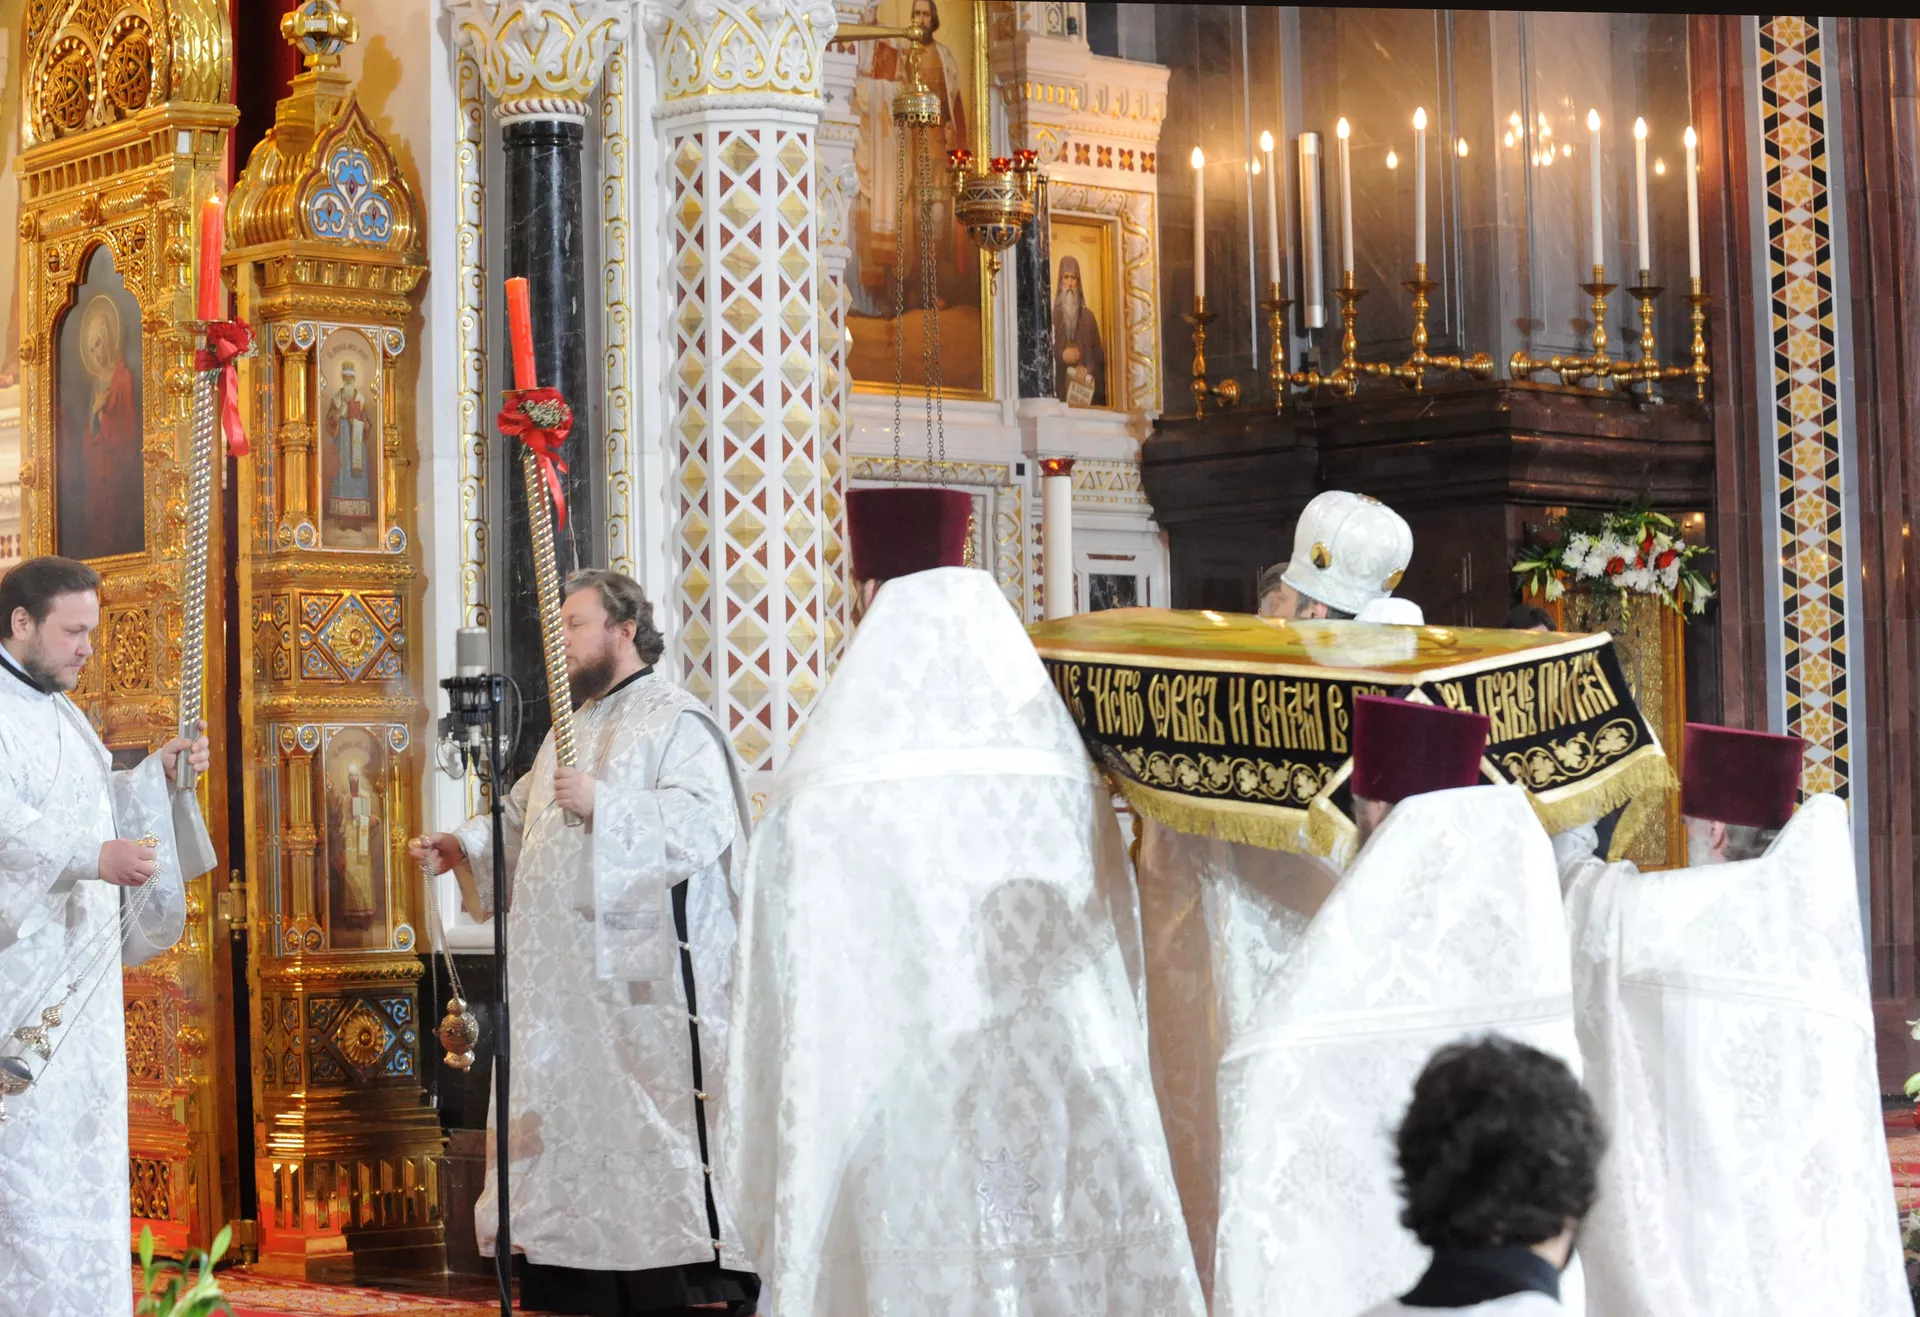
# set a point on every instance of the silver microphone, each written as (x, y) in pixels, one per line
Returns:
(470, 652)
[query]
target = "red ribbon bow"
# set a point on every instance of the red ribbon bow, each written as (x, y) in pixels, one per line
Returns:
(541, 418)
(229, 341)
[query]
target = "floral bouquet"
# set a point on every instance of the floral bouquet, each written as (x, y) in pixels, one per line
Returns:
(1635, 552)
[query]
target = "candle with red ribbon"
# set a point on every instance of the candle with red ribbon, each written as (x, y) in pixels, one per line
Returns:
(539, 418)
(520, 334)
(227, 342)
(213, 294)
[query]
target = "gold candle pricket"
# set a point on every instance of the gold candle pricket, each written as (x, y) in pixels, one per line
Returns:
(1573, 368)
(1413, 371)
(1345, 377)
(1227, 391)
(1275, 306)
(1643, 373)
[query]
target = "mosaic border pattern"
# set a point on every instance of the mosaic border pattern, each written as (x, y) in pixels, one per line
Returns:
(1805, 395)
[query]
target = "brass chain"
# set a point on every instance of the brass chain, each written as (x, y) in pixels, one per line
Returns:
(929, 290)
(899, 297)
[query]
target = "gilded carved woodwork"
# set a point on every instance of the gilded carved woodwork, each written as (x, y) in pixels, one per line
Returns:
(124, 134)
(326, 244)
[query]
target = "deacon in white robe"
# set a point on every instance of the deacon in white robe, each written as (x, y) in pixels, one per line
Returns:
(1446, 925)
(947, 1108)
(1725, 1019)
(64, 1207)
(620, 946)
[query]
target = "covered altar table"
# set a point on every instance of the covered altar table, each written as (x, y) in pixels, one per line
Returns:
(1229, 737)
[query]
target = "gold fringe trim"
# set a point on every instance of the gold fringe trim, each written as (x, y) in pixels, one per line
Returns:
(1331, 835)
(1274, 827)
(1640, 782)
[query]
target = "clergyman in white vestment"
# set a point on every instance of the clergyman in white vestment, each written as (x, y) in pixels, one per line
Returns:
(1499, 1163)
(64, 1209)
(1446, 925)
(1726, 1022)
(941, 1098)
(1212, 911)
(620, 936)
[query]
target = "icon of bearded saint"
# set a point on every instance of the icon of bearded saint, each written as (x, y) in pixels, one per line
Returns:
(1079, 360)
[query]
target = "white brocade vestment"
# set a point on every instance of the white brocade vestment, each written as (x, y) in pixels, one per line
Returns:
(64, 1208)
(941, 1096)
(1447, 926)
(604, 1136)
(1725, 1018)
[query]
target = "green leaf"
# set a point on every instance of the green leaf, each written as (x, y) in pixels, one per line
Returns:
(146, 1247)
(220, 1243)
(1913, 1086)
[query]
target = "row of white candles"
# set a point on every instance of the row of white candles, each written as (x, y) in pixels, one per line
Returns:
(1343, 132)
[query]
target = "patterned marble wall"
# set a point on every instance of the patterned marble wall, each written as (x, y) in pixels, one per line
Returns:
(1799, 311)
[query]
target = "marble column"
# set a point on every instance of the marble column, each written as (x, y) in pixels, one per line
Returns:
(541, 61)
(1033, 279)
(1056, 537)
(752, 480)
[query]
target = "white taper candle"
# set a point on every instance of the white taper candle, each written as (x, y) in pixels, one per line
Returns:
(1640, 190)
(1693, 204)
(1593, 149)
(1273, 210)
(1420, 185)
(1346, 199)
(1199, 223)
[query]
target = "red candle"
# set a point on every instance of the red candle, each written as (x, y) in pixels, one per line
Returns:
(213, 294)
(520, 333)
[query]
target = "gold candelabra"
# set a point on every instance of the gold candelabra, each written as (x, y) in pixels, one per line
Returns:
(1227, 391)
(1275, 306)
(1644, 373)
(1413, 371)
(1344, 378)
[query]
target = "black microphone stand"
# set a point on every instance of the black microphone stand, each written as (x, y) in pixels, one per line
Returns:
(475, 702)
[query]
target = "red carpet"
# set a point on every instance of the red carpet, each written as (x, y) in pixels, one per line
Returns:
(263, 1296)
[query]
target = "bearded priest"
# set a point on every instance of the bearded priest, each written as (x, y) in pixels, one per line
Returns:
(1725, 1018)
(620, 950)
(938, 928)
(1446, 925)
(63, 1149)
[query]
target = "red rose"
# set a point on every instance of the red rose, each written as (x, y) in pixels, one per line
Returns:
(1615, 566)
(1665, 560)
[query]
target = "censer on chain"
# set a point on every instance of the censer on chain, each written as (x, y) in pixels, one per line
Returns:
(459, 1031)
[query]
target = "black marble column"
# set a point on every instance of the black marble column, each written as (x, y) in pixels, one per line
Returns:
(1033, 279)
(545, 245)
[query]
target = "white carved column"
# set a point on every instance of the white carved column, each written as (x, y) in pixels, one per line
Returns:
(739, 113)
(839, 136)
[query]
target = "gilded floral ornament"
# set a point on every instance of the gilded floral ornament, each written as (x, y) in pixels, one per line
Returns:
(90, 64)
(771, 49)
(540, 59)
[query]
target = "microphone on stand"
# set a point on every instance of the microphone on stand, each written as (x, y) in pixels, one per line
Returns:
(473, 740)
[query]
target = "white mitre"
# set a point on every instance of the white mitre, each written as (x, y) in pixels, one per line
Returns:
(1348, 550)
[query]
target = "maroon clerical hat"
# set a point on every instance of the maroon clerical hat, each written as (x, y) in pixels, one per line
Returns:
(1749, 779)
(897, 532)
(1403, 749)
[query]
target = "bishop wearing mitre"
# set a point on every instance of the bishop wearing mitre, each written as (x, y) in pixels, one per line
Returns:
(1726, 1023)
(1446, 925)
(938, 930)
(620, 947)
(74, 835)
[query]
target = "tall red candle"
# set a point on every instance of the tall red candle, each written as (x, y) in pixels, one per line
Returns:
(520, 333)
(213, 294)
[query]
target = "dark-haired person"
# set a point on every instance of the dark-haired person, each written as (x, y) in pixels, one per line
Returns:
(1726, 1024)
(1447, 923)
(1499, 1159)
(622, 934)
(1526, 617)
(63, 1148)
